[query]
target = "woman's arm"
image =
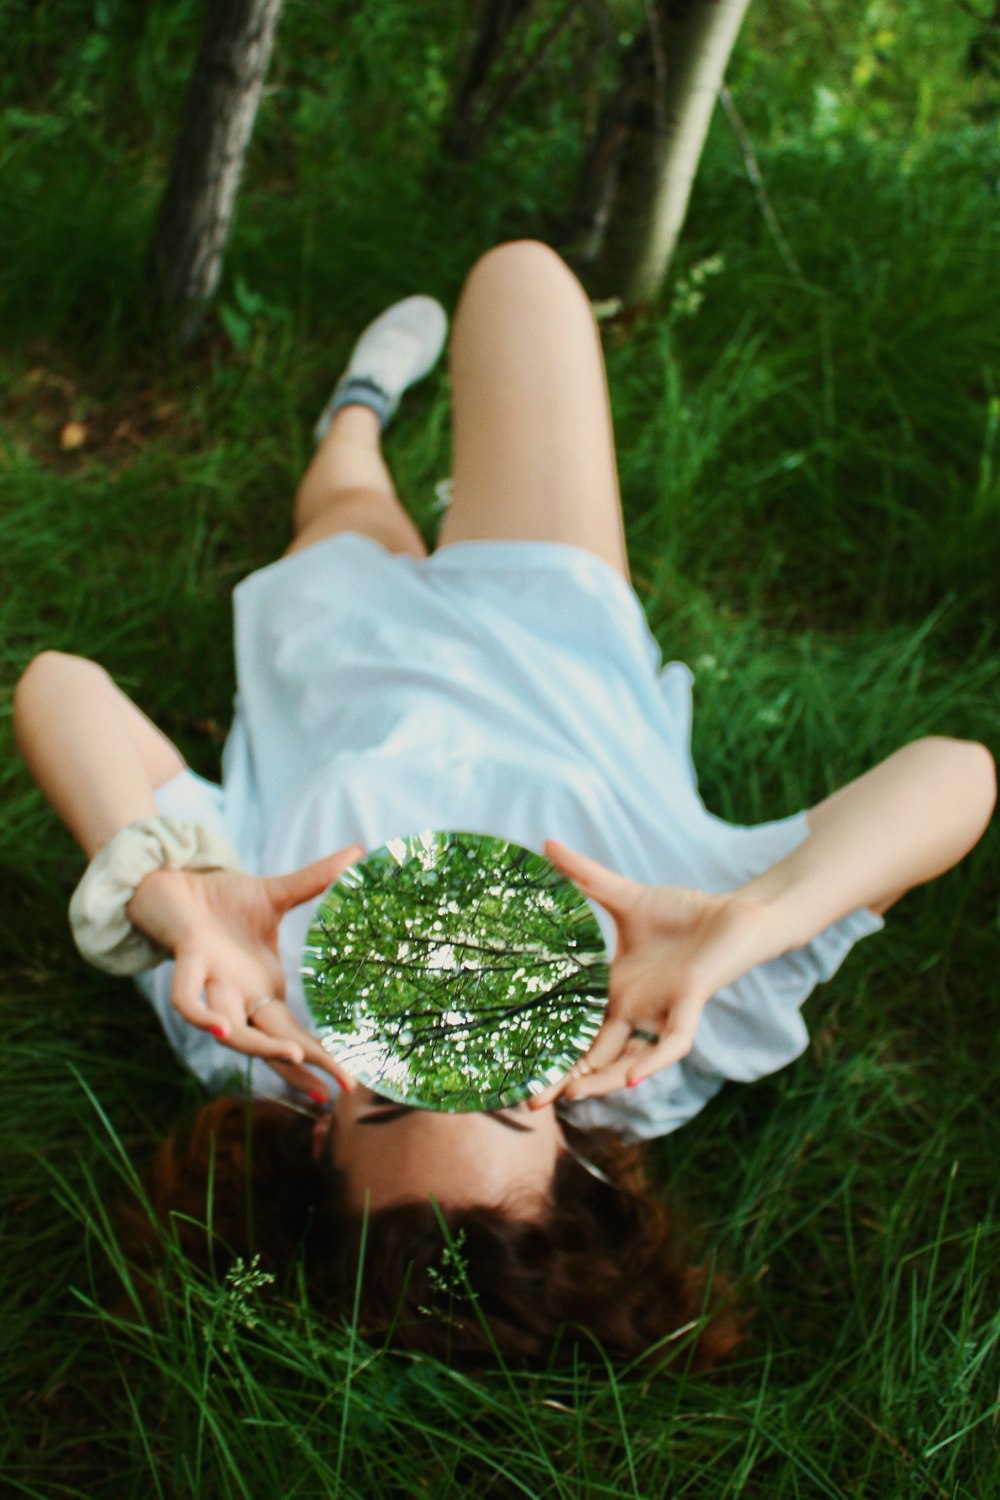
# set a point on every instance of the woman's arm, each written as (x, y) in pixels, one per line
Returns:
(95, 756)
(902, 823)
(909, 819)
(98, 760)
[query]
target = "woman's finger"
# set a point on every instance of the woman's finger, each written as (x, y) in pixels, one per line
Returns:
(317, 1054)
(612, 1072)
(612, 890)
(673, 1046)
(549, 1094)
(277, 1021)
(224, 1002)
(227, 1006)
(641, 1053)
(677, 1033)
(303, 1079)
(589, 1084)
(254, 1043)
(186, 994)
(312, 880)
(609, 1044)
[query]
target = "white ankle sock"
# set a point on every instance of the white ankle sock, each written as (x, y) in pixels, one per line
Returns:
(356, 390)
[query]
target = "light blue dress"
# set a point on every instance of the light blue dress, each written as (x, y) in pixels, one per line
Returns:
(510, 688)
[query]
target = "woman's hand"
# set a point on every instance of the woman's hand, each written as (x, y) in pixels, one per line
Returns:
(676, 948)
(222, 928)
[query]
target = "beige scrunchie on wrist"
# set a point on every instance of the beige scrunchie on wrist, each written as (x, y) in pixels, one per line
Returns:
(100, 926)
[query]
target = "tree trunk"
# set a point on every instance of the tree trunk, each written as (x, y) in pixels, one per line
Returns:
(580, 232)
(660, 119)
(485, 89)
(494, 24)
(185, 258)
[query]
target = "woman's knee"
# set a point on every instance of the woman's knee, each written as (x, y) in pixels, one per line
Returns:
(518, 264)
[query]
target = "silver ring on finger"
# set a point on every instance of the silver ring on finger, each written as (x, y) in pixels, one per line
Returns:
(640, 1034)
(259, 1005)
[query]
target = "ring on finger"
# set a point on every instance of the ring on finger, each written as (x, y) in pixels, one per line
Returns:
(640, 1034)
(259, 1005)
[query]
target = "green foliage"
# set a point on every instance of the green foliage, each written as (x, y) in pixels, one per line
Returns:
(861, 397)
(810, 474)
(248, 310)
(888, 69)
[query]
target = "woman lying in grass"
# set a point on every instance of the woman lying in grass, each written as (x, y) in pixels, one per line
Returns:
(508, 685)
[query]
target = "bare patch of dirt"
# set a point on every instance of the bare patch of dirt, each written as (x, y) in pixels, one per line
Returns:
(64, 418)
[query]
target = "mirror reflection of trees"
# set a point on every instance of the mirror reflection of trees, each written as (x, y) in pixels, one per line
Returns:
(455, 971)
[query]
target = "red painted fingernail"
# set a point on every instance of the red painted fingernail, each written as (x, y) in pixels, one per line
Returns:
(218, 1032)
(317, 1097)
(635, 1083)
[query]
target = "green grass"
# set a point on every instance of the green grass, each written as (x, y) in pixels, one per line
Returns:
(810, 476)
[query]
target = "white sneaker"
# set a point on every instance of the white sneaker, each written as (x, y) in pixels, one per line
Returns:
(394, 351)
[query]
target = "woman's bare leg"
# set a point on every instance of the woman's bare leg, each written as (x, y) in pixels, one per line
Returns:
(533, 447)
(347, 487)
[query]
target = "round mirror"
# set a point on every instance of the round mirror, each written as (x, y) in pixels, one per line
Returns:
(455, 971)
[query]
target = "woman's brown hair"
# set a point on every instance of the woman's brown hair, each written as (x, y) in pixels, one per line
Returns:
(604, 1267)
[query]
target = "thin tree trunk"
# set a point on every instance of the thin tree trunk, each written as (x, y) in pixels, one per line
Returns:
(689, 45)
(185, 258)
(581, 231)
(496, 20)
